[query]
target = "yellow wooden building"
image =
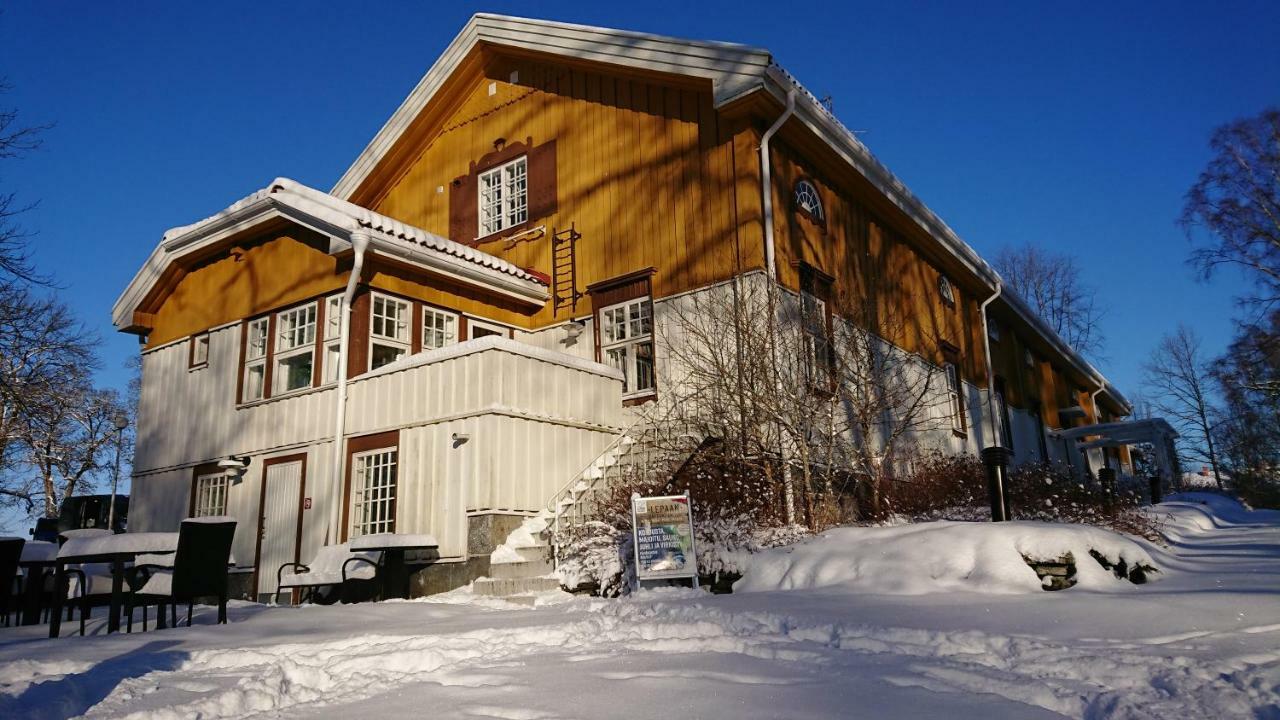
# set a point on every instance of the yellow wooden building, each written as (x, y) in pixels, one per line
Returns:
(472, 304)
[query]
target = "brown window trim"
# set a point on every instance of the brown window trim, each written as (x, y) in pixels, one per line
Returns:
(951, 355)
(196, 472)
(262, 512)
(191, 351)
(619, 289)
(541, 194)
(268, 376)
(815, 282)
(356, 445)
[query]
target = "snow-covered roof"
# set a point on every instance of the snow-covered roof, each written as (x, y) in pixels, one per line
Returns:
(337, 219)
(734, 72)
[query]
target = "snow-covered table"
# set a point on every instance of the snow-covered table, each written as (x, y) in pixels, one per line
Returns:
(393, 547)
(105, 548)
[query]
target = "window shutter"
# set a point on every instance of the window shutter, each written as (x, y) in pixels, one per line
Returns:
(542, 180)
(462, 209)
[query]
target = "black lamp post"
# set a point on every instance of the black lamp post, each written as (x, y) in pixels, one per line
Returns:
(121, 422)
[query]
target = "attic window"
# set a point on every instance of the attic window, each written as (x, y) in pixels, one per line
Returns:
(808, 202)
(504, 197)
(946, 290)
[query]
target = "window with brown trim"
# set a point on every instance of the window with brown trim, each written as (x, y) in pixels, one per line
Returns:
(815, 325)
(505, 191)
(955, 389)
(198, 351)
(210, 487)
(257, 344)
(372, 484)
(624, 331)
(390, 329)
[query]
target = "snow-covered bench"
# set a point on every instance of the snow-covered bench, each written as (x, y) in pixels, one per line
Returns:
(333, 565)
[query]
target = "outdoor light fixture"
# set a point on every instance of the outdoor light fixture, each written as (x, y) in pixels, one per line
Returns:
(460, 438)
(573, 331)
(237, 465)
(120, 422)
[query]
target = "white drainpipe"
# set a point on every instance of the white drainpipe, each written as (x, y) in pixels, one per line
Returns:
(986, 345)
(770, 262)
(359, 243)
(766, 188)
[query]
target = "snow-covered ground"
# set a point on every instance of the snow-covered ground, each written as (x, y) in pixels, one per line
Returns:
(1202, 641)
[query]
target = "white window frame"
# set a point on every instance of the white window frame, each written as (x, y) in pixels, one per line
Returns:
(361, 522)
(502, 197)
(332, 339)
(633, 310)
(293, 340)
(199, 351)
(402, 339)
(437, 323)
(211, 494)
(817, 337)
(955, 395)
(473, 325)
(807, 199)
(255, 358)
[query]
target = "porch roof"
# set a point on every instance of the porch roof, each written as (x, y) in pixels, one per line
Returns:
(1129, 432)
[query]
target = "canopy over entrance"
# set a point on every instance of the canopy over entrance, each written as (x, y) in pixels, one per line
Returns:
(1152, 431)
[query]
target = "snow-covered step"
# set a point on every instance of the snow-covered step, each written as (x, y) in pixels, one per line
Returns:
(506, 587)
(534, 553)
(532, 568)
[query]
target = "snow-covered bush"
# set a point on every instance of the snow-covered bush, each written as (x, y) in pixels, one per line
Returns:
(954, 487)
(734, 513)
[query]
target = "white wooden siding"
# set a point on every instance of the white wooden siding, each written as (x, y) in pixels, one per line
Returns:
(531, 420)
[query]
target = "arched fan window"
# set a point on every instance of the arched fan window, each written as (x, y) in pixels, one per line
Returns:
(807, 200)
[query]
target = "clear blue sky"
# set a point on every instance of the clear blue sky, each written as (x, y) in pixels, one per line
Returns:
(1075, 126)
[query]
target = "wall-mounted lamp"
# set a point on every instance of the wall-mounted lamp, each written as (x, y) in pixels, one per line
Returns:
(237, 465)
(573, 331)
(460, 438)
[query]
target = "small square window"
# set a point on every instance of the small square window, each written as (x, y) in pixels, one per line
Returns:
(199, 350)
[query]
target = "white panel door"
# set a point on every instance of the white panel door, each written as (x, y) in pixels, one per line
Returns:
(278, 542)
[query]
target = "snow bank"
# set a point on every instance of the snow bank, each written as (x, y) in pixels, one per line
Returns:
(940, 557)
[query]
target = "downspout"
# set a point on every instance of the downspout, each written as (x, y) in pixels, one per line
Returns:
(359, 243)
(770, 262)
(766, 184)
(986, 353)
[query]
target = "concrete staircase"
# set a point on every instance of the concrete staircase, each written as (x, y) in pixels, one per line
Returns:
(520, 567)
(524, 564)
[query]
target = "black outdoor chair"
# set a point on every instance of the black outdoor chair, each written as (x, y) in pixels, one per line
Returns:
(199, 570)
(10, 554)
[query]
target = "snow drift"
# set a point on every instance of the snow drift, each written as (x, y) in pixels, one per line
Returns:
(940, 557)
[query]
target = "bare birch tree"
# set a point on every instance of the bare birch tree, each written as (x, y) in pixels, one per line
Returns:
(819, 407)
(1177, 380)
(1236, 200)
